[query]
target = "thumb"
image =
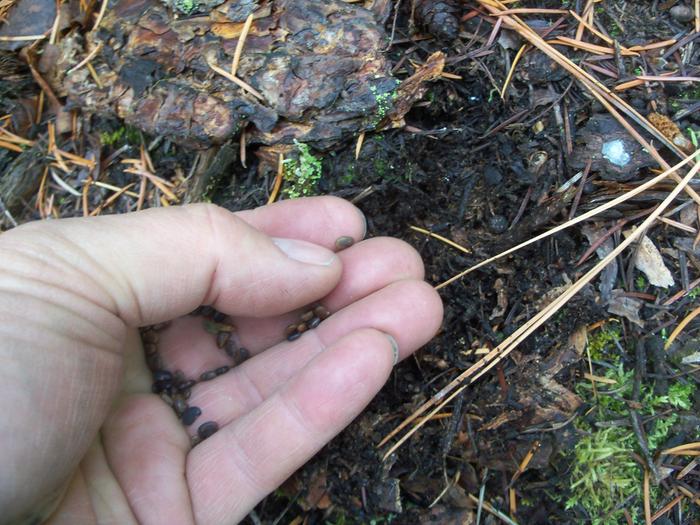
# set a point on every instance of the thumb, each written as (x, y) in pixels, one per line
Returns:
(158, 264)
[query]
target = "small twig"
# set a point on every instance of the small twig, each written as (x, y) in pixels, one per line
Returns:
(640, 367)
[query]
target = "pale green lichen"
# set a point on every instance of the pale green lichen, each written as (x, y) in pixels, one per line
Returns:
(301, 174)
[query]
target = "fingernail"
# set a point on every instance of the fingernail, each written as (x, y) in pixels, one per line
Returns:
(305, 252)
(344, 242)
(394, 347)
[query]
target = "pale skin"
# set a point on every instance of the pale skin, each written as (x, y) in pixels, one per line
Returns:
(82, 438)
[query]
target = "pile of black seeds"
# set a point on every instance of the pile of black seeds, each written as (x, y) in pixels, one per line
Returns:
(308, 321)
(173, 387)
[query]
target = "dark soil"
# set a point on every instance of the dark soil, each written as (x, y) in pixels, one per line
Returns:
(484, 172)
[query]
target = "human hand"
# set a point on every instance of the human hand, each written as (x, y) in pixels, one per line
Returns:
(83, 439)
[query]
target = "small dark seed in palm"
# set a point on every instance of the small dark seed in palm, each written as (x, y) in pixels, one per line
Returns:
(222, 338)
(207, 429)
(294, 336)
(190, 415)
(162, 375)
(208, 376)
(314, 323)
(222, 370)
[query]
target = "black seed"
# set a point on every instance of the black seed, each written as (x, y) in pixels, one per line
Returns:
(207, 429)
(294, 336)
(162, 376)
(219, 317)
(314, 323)
(222, 370)
(186, 385)
(344, 242)
(161, 386)
(180, 405)
(207, 376)
(222, 338)
(149, 337)
(190, 415)
(321, 312)
(290, 329)
(168, 400)
(207, 311)
(243, 354)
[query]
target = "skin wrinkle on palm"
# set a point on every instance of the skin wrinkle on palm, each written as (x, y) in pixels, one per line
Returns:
(142, 440)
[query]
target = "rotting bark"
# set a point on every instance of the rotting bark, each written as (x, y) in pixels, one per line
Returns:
(319, 66)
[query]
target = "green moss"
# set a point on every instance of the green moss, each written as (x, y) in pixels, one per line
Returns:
(604, 472)
(640, 283)
(185, 6)
(122, 135)
(601, 343)
(302, 174)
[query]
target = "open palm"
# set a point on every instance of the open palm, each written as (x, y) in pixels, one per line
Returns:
(89, 442)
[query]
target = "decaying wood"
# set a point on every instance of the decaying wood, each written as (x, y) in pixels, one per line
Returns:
(319, 66)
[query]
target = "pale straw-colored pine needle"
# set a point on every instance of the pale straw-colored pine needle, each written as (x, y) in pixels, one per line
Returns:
(647, 499)
(39, 107)
(358, 145)
(441, 239)
(688, 494)
(93, 74)
(240, 83)
(481, 367)
(512, 501)
(682, 449)
(278, 179)
(239, 45)
(692, 315)
(110, 187)
(588, 16)
(85, 60)
(697, 16)
(533, 11)
(242, 148)
(607, 98)
(21, 38)
(622, 198)
(525, 462)
(509, 77)
(678, 225)
(112, 198)
(11, 146)
(663, 510)
(605, 38)
(84, 200)
(593, 48)
(100, 15)
(687, 469)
